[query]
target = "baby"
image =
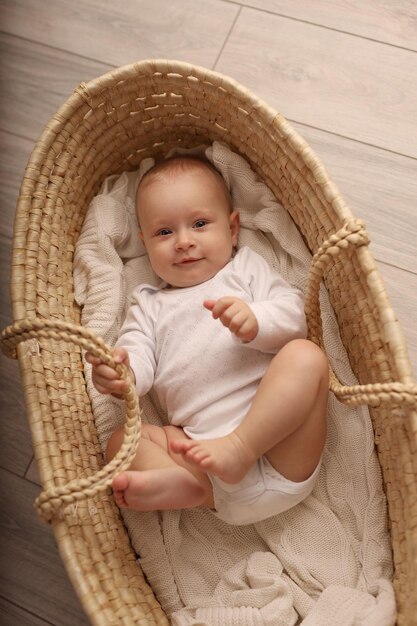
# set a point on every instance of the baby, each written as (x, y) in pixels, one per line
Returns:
(222, 342)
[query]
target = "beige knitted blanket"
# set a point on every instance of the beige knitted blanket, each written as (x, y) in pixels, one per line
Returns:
(326, 562)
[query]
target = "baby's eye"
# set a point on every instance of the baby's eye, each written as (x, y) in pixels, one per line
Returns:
(164, 232)
(200, 223)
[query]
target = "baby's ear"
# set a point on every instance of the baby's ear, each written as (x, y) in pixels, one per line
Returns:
(234, 221)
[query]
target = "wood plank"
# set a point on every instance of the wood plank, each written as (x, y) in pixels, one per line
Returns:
(380, 187)
(32, 574)
(16, 151)
(333, 81)
(11, 615)
(389, 22)
(123, 32)
(6, 317)
(33, 578)
(15, 437)
(36, 81)
(33, 473)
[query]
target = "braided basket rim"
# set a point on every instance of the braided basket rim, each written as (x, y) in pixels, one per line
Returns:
(311, 171)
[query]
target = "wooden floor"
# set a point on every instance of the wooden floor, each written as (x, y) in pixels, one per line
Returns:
(343, 71)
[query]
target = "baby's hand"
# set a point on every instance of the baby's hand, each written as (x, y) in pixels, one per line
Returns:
(105, 379)
(236, 315)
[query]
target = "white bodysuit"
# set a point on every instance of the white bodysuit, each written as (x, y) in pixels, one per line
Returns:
(205, 378)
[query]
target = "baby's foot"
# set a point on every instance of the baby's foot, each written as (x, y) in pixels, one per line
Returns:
(228, 457)
(157, 489)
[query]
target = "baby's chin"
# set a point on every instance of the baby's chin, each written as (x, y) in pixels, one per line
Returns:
(193, 274)
(188, 281)
(184, 285)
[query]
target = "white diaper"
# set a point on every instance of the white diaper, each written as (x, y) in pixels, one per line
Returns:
(262, 493)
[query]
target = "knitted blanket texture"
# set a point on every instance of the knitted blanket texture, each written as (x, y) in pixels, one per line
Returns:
(327, 561)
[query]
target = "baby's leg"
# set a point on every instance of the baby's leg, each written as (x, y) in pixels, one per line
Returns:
(286, 422)
(158, 479)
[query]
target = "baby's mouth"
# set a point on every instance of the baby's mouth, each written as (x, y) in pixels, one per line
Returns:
(187, 261)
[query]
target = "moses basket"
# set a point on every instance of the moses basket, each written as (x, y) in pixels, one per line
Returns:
(106, 127)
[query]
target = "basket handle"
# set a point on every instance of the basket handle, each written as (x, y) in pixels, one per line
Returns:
(51, 500)
(352, 233)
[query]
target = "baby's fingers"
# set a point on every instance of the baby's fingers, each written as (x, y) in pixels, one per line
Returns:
(218, 307)
(209, 304)
(234, 321)
(114, 387)
(121, 356)
(106, 380)
(247, 331)
(93, 360)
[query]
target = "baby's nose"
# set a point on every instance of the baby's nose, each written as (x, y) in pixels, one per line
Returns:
(184, 241)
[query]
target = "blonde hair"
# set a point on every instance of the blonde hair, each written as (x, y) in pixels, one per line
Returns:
(179, 164)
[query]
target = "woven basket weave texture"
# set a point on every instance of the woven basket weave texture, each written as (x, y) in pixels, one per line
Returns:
(106, 127)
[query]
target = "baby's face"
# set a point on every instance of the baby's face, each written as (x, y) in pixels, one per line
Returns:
(187, 227)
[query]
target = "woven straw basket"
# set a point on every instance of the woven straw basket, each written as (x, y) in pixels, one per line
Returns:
(108, 126)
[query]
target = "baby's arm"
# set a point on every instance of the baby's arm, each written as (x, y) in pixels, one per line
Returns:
(236, 315)
(106, 379)
(276, 304)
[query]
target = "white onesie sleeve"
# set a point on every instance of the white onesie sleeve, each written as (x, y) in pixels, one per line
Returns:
(278, 307)
(137, 337)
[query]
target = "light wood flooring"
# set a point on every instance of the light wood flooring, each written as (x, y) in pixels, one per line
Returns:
(344, 72)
